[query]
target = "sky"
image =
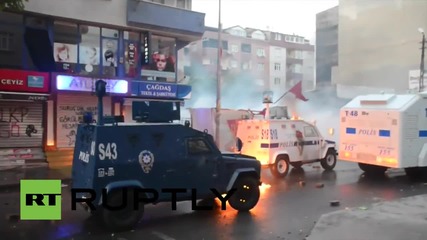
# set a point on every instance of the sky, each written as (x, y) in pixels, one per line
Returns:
(284, 16)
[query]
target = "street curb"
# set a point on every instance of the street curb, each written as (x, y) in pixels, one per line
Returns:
(12, 187)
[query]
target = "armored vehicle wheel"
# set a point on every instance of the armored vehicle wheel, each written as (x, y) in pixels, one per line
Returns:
(328, 163)
(247, 194)
(280, 168)
(125, 219)
(372, 169)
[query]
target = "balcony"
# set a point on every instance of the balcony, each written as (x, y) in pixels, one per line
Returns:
(186, 24)
(293, 60)
(294, 76)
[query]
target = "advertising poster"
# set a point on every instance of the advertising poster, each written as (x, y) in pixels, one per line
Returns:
(65, 56)
(162, 65)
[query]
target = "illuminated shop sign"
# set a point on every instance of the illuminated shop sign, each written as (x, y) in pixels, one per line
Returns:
(85, 84)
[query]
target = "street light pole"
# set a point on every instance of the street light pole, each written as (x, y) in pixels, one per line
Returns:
(218, 80)
(422, 59)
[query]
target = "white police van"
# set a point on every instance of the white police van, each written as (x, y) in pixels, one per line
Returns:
(382, 131)
(277, 141)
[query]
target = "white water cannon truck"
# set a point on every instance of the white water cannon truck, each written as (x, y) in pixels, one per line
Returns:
(277, 140)
(382, 131)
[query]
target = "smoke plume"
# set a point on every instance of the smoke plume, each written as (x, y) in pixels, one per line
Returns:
(242, 91)
(322, 108)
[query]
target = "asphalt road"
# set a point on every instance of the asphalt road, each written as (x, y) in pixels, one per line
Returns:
(288, 209)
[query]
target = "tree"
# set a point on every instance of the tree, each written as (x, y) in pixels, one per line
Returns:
(13, 5)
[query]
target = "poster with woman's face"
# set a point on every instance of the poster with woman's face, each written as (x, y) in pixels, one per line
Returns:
(66, 53)
(89, 55)
(162, 63)
(109, 56)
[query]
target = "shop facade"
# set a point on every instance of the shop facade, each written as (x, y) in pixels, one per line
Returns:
(74, 95)
(23, 100)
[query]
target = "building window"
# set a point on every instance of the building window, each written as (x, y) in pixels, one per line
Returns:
(238, 32)
(297, 68)
(260, 52)
(162, 64)
(206, 61)
(296, 54)
(89, 50)
(277, 36)
(261, 66)
(277, 66)
(245, 66)
(6, 39)
(181, 4)
(186, 51)
(234, 48)
(110, 54)
(246, 48)
(213, 43)
(132, 55)
(66, 39)
(258, 35)
(277, 81)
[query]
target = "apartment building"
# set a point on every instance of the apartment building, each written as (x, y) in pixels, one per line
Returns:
(326, 45)
(379, 44)
(52, 54)
(256, 59)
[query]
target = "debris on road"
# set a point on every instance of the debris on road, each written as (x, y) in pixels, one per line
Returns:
(363, 208)
(13, 217)
(334, 203)
(302, 183)
(320, 185)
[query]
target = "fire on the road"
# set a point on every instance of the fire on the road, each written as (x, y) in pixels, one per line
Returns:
(263, 188)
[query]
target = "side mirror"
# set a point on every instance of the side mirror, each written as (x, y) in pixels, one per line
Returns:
(239, 144)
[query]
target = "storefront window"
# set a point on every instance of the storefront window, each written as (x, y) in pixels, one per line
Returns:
(66, 39)
(89, 52)
(132, 40)
(110, 51)
(162, 63)
(11, 44)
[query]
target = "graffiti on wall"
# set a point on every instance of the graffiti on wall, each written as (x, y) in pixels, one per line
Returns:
(13, 122)
(69, 117)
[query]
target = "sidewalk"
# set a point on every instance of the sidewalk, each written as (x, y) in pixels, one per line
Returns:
(396, 220)
(9, 177)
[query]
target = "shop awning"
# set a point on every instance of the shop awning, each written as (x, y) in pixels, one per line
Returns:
(19, 96)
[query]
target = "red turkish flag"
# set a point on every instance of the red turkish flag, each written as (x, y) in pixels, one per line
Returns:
(297, 91)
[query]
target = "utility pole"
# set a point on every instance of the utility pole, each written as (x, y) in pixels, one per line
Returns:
(218, 80)
(423, 47)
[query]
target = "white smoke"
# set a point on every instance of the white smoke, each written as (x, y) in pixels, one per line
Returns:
(238, 91)
(241, 91)
(322, 108)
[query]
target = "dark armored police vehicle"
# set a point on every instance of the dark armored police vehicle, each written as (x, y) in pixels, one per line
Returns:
(119, 167)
